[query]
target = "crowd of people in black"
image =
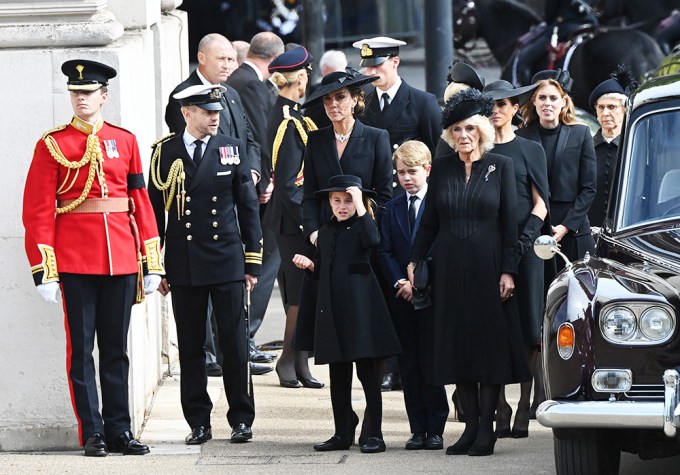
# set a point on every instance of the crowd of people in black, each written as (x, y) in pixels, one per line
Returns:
(400, 229)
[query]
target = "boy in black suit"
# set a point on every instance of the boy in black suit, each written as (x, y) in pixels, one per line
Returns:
(426, 404)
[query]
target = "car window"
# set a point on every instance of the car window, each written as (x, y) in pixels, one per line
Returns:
(652, 175)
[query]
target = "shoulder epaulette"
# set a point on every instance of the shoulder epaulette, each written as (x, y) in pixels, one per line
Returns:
(162, 140)
(51, 131)
(117, 127)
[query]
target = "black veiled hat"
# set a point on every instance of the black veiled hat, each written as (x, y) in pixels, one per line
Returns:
(502, 89)
(465, 74)
(621, 81)
(337, 80)
(562, 77)
(341, 183)
(465, 104)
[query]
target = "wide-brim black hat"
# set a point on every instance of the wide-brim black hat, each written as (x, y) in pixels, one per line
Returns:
(341, 183)
(502, 89)
(337, 80)
(465, 74)
(465, 104)
(86, 75)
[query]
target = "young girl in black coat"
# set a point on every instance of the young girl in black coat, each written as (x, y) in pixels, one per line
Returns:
(352, 325)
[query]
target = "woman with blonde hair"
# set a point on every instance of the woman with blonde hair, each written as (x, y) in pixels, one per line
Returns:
(287, 135)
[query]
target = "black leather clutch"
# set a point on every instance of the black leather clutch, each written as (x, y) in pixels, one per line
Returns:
(422, 292)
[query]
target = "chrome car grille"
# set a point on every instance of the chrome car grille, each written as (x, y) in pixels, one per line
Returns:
(645, 391)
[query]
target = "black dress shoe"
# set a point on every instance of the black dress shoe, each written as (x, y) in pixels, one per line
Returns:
(126, 444)
(199, 435)
(334, 443)
(241, 432)
(258, 369)
(416, 442)
(373, 445)
(287, 383)
(310, 382)
(213, 369)
(95, 446)
(434, 442)
(390, 382)
(261, 357)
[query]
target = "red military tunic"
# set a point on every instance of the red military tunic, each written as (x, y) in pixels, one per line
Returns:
(101, 243)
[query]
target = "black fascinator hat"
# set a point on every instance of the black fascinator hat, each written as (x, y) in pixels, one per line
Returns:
(622, 81)
(465, 104)
(562, 77)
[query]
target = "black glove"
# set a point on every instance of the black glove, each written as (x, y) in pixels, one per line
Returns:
(531, 230)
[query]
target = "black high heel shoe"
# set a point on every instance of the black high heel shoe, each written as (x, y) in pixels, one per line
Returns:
(338, 443)
(287, 383)
(503, 422)
(310, 382)
(483, 450)
(520, 429)
(462, 446)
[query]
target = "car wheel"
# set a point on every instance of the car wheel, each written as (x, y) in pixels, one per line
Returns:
(587, 451)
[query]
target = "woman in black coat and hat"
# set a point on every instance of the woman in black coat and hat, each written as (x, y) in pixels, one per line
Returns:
(531, 176)
(352, 325)
(471, 226)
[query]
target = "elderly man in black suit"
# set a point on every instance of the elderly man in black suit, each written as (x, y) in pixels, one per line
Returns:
(406, 113)
(258, 100)
(213, 246)
(216, 61)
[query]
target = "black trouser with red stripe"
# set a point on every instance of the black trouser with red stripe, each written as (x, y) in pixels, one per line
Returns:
(190, 306)
(98, 304)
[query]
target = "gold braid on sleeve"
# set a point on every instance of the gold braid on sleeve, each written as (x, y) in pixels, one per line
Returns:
(174, 182)
(92, 155)
(309, 125)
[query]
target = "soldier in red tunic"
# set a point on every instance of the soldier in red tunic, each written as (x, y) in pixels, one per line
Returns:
(91, 233)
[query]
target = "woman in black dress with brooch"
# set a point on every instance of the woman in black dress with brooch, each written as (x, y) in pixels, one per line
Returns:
(470, 223)
(531, 177)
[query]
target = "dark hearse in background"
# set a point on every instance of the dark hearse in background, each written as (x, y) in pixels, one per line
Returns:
(611, 346)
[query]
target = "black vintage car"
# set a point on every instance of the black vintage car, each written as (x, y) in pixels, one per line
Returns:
(611, 345)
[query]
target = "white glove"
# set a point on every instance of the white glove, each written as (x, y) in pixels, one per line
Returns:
(151, 283)
(49, 291)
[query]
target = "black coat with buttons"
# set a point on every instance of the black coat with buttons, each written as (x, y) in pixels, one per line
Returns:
(218, 238)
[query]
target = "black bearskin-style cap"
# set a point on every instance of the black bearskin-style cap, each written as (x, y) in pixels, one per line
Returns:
(622, 81)
(465, 104)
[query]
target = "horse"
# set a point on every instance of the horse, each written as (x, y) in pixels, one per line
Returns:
(589, 62)
(631, 13)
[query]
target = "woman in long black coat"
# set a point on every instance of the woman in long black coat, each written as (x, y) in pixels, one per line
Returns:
(471, 226)
(346, 147)
(352, 325)
(531, 177)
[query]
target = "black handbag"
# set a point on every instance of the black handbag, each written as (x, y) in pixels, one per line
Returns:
(422, 291)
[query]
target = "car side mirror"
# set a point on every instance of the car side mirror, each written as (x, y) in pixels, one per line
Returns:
(546, 247)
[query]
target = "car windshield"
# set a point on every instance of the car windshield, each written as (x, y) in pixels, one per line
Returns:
(652, 174)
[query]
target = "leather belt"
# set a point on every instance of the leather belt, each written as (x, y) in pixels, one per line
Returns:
(99, 205)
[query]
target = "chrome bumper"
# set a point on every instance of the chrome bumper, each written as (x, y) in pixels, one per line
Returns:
(618, 414)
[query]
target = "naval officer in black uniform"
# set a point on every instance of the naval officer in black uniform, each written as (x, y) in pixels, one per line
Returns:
(405, 112)
(213, 245)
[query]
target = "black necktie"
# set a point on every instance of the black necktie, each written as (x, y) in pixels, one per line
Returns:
(412, 211)
(198, 151)
(386, 101)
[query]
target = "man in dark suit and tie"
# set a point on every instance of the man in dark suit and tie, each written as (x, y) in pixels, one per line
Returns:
(426, 405)
(405, 112)
(213, 247)
(216, 61)
(250, 81)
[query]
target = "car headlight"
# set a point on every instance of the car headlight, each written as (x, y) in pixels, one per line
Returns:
(656, 323)
(637, 323)
(618, 324)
